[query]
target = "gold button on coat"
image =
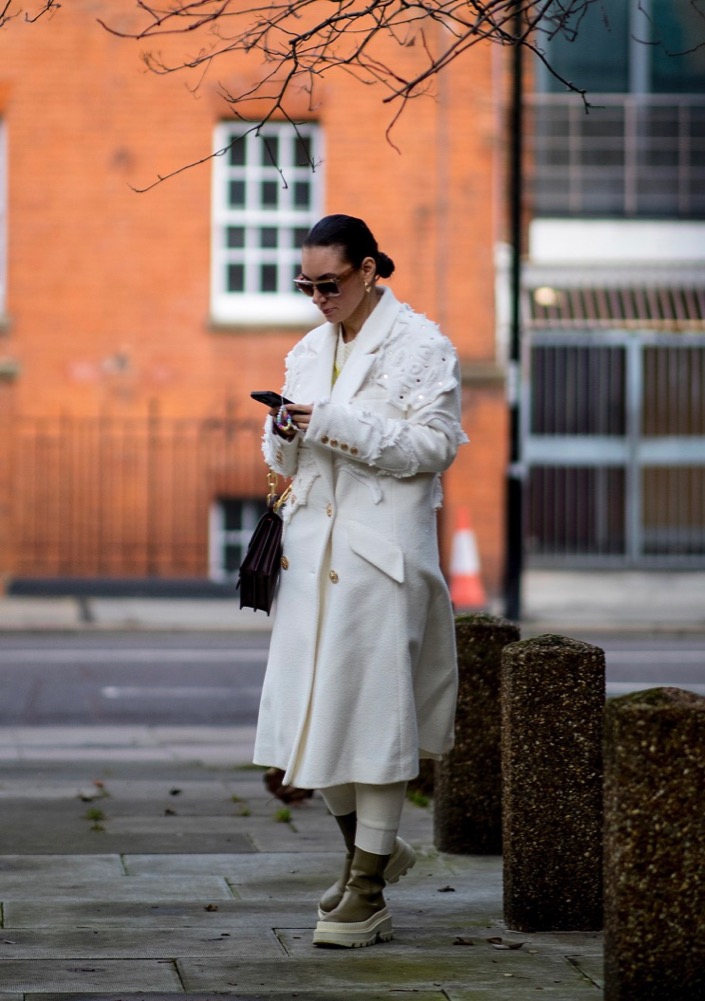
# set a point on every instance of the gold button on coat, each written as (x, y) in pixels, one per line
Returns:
(284, 563)
(329, 510)
(333, 577)
(325, 439)
(334, 442)
(353, 450)
(344, 447)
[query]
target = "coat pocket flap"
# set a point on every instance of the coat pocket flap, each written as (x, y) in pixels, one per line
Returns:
(380, 552)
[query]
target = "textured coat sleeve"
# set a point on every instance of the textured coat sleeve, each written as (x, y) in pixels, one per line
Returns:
(280, 455)
(425, 440)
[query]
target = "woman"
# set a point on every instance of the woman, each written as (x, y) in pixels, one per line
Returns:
(361, 678)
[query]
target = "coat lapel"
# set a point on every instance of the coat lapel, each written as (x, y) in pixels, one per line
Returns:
(315, 384)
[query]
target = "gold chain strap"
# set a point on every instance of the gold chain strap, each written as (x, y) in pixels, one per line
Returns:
(275, 501)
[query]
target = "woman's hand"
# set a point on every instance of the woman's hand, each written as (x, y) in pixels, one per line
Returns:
(301, 414)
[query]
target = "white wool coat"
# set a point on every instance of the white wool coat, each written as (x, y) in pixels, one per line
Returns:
(361, 679)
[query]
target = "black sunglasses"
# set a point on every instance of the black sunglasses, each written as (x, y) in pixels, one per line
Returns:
(328, 287)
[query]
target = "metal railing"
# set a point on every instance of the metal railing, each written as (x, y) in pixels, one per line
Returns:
(614, 443)
(630, 155)
(121, 497)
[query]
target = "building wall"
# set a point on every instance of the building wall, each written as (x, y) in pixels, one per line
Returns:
(107, 309)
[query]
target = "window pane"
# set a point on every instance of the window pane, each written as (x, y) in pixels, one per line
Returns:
(236, 194)
(268, 237)
(302, 194)
(236, 278)
(299, 236)
(236, 154)
(268, 278)
(235, 236)
(592, 51)
(303, 151)
(270, 151)
(269, 192)
(677, 28)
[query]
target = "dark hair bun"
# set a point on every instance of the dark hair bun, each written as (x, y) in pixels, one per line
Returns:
(385, 265)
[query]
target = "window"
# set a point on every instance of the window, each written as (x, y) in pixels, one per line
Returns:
(266, 197)
(232, 522)
(630, 46)
(640, 152)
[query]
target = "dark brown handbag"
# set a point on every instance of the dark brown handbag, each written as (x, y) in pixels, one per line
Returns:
(259, 572)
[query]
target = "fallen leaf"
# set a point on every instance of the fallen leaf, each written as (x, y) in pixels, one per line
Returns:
(446, 889)
(211, 907)
(169, 812)
(459, 940)
(174, 792)
(499, 943)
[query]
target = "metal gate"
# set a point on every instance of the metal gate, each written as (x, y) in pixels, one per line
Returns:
(614, 446)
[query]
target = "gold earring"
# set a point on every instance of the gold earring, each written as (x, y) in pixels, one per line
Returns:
(368, 287)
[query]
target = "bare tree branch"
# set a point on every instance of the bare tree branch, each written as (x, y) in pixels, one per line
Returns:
(10, 10)
(299, 43)
(296, 39)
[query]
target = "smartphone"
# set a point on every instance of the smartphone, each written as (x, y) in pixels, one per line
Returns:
(270, 399)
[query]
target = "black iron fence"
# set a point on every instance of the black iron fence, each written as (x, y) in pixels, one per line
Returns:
(121, 496)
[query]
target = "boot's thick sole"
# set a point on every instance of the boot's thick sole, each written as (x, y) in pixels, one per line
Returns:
(355, 934)
(401, 860)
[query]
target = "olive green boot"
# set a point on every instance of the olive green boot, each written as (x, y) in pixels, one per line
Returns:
(402, 859)
(361, 918)
(347, 823)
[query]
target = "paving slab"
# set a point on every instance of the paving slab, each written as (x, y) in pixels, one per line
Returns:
(213, 916)
(174, 613)
(277, 870)
(591, 966)
(146, 943)
(90, 976)
(77, 828)
(22, 613)
(283, 995)
(202, 888)
(392, 966)
(50, 868)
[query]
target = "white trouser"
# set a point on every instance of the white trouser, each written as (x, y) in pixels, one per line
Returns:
(378, 809)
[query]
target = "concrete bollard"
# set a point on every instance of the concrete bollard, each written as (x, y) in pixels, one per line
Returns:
(655, 846)
(468, 781)
(553, 695)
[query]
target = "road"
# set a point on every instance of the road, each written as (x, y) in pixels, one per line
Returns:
(215, 678)
(165, 679)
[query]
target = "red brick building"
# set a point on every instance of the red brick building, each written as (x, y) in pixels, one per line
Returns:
(134, 325)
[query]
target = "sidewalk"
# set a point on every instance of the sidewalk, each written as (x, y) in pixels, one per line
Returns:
(566, 602)
(153, 860)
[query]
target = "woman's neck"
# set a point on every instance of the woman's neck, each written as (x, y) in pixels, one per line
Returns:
(354, 324)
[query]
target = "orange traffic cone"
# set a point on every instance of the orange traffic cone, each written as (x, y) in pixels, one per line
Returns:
(466, 590)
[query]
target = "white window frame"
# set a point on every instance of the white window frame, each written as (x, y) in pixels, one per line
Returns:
(285, 306)
(219, 537)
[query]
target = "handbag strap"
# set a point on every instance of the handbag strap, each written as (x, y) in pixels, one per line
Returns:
(275, 501)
